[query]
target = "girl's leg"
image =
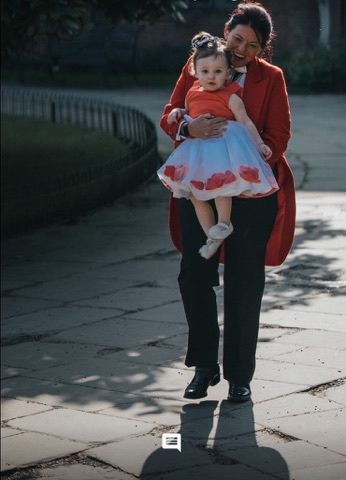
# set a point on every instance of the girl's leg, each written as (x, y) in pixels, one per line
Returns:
(206, 217)
(224, 209)
(224, 227)
(204, 212)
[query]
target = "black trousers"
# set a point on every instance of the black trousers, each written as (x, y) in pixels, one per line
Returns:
(244, 279)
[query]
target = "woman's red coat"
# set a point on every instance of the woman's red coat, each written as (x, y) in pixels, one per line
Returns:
(266, 101)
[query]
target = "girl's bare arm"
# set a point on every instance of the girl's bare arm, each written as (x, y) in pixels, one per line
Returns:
(236, 105)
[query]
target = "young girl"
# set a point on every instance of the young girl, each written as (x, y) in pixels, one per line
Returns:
(217, 168)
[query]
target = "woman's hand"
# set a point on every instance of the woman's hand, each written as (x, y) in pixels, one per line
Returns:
(207, 126)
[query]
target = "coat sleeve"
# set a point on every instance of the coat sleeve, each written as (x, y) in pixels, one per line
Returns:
(177, 100)
(276, 133)
(275, 128)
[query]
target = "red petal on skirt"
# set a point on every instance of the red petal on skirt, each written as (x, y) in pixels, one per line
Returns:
(180, 172)
(250, 174)
(169, 171)
(197, 184)
(229, 177)
(215, 181)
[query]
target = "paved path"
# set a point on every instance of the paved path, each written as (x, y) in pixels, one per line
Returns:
(94, 338)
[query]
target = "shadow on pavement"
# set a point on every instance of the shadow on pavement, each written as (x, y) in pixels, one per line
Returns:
(224, 446)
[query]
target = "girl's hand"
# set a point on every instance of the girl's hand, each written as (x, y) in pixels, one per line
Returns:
(265, 150)
(174, 116)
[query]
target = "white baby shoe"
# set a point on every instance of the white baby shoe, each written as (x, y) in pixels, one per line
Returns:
(220, 231)
(210, 248)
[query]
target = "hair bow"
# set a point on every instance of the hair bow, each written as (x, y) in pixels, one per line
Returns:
(204, 41)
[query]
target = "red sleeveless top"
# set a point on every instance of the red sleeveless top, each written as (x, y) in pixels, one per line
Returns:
(202, 101)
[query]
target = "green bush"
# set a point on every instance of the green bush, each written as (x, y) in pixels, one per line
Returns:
(316, 70)
(306, 71)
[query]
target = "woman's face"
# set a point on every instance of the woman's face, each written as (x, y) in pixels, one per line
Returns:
(242, 41)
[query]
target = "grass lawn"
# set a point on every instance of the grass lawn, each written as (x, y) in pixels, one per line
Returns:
(32, 150)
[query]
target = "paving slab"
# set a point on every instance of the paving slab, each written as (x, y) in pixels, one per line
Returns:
(316, 356)
(88, 428)
(12, 408)
(270, 349)
(69, 395)
(325, 429)
(261, 438)
(236, 424)
(334, 304)
(16, 305)
(150, 457)
(297, 318)
(291, 405)
(268, 333)
(75, 287)
(9, 432)
(268, 389)
(298, 453)
(10, 372)
(170, 312)
(34, 272)
(134, 298)
(336, 471)
(296, 373)
(82, 472)
(53, 320)
(165, 264)
(156, 354)
(55, 394)
(163, 412)
(317, 338)
(42, 355)
(120, 332)
(336, 393)
(221, 472)
(125, 377)
(31, 448)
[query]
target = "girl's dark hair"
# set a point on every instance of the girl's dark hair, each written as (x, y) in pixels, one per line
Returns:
(206, 45)
(259, 19)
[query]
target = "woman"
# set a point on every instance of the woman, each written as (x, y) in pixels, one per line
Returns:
(263, 227)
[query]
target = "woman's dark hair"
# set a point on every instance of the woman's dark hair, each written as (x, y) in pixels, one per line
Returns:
(259, 19)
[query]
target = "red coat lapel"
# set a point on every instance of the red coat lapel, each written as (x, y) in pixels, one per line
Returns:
(255, 89)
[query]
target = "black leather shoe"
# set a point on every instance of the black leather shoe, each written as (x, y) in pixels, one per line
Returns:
(204, 377)
(239, 393)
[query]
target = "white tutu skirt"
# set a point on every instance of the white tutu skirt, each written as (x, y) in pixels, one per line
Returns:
(219, 167)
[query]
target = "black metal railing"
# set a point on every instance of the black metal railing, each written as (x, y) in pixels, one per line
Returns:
(71, 194)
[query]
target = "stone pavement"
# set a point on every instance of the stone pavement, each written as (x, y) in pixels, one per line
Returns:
(94, 338)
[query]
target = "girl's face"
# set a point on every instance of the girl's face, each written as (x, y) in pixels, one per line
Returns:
(242, 41)
(212, 72)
